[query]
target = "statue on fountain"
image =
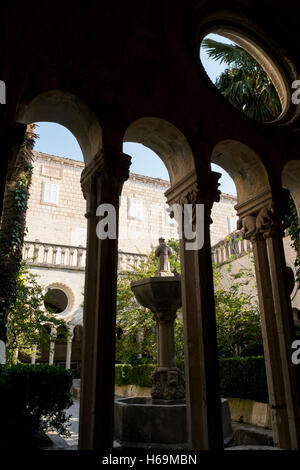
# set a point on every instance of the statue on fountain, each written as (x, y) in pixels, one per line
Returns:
(163, 252)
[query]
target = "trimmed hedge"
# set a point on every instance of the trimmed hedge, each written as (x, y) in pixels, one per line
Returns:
(244, 377)
(33, 400)
(240, 377)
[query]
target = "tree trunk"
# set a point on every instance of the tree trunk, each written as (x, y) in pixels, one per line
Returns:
(12, 226)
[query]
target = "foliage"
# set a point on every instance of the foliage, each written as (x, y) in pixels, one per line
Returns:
(136, 329)
(126, 374)
(244, 377)
(35, 398)
(28, 322)
(292, 222)
(237, 313)
(244, 82)
(240, 377)
(12, 227)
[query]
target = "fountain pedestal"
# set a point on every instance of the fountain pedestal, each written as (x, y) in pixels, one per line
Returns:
(160, 420)
(162, 295)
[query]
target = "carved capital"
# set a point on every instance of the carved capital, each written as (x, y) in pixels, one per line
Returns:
(266, 223)
(167, 317)
(193, 190)
(101, 170)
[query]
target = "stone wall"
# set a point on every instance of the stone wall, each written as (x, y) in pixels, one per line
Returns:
(246, 262)
(62, 219)
(56, 212)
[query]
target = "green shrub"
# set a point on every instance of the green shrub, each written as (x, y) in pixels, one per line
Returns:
(244, 377)
(240, 377)
(141, 375)
(34, 399)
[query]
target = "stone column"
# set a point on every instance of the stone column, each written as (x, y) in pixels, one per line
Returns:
(33, 358)
(69, 351)
(167, 379)
(102, 182)
(51, 353)
(52, 347)
(204, 421)
(266, 231)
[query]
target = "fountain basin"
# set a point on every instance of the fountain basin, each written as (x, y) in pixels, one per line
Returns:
(148, 423)
(159, 294)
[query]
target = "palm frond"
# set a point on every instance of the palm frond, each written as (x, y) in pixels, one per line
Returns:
(230, 54)
(244, 83)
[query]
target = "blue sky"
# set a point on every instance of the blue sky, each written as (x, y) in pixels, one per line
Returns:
(55, 139)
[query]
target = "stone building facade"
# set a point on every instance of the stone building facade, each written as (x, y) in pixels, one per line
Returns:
(55, 244)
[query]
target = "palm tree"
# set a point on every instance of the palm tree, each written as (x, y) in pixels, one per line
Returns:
(244, 82)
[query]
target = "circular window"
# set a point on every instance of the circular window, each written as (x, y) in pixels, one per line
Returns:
(244, 75)
(56, 301)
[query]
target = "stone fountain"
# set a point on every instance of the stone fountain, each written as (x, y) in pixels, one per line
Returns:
(160, 420)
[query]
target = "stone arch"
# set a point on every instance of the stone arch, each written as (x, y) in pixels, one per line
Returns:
(68, 110)
(167, 141)
(244, 166)
(291, 181)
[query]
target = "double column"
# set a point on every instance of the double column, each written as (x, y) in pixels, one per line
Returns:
(204, 421)
(102, 182)
(262, 225)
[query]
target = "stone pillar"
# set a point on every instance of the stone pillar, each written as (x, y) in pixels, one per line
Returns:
(33, 358)
(51, 353)
(16, 356)
(167, 379)
(52, 347)
(69, 351)
(201, 360)
(102, 182)
(265, 230)
(165, 337)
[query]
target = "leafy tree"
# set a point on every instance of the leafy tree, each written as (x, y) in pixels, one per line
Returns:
(292, 222)
(12, 227)
(136, 329)
(28, 322)
(244, 82)
(237, 313)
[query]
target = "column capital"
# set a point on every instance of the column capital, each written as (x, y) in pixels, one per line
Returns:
(115, 170)
(167, 317)
(266, 223)
(194, 190)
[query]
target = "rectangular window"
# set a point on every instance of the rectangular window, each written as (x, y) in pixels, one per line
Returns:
(135, 208)
(50, 193)
(231, 222)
